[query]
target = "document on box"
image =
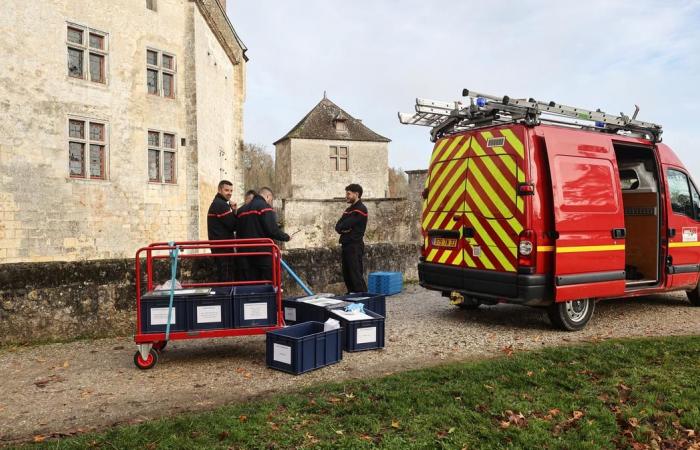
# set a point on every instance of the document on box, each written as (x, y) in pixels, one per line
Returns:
(159, 316)
(366, 335)
(254, 311)
(282, 353)
(290, 314)
(209, 314)
(351, 315)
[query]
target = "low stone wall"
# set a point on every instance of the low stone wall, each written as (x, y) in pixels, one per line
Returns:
(69, 300)
(312, 222)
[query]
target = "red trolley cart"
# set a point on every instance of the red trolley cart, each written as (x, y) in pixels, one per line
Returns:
(150, 344)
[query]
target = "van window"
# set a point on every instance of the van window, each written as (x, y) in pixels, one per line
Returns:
(629, 179)
(679, 187)
(696, 201)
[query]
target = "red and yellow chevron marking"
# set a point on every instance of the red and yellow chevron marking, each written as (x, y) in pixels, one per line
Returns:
(469, 178)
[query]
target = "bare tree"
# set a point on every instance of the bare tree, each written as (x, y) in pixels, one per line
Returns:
(258, 167)
(398, 183)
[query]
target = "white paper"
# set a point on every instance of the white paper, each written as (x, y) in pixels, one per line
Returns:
(357, 299)
(282, 353)
(321, 301)
(366, 335)
(690, 234)
(290, 314)
(209, 314)
(254, 311)
(159, 316)
(351, 315)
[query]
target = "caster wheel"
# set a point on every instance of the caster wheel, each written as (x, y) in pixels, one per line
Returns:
(160, 345)
(148, 363)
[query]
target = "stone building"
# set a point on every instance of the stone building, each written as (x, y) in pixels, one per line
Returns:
(327, 150)
(117, 119)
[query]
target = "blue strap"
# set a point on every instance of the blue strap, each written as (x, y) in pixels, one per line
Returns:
(296, 277)
(173, 272)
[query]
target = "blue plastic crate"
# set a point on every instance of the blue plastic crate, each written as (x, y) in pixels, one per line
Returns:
(212, 311)
(154, 312)
(364, 334)
(296, 311)
(254, 306)
(387, 283)
(374, 302)
(303, 347)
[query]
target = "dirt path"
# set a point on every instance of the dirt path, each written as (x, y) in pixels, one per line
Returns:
(80, 386)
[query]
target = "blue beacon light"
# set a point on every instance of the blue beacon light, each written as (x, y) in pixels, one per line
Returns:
(481, 102)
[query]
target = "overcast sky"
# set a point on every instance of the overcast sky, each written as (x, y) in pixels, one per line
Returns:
(374, 57)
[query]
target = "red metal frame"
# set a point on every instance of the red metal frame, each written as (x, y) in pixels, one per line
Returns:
(161, 250)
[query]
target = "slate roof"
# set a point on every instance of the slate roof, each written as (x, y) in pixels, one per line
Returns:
(319, 124)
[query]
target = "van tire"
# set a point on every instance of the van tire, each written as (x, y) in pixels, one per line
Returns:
(694, 296)
(572, 315)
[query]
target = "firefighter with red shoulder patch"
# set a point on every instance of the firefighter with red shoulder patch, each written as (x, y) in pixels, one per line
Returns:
(351, 228)
(221, 224)
(257, 219)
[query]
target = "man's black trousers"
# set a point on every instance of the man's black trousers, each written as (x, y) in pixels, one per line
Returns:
(353, 272)
(225, 266)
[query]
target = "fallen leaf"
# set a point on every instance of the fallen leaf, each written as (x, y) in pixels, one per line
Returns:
(65, 365)
(633, 421)
(530, 373)
(311, 438)
(242, 418)
(52, 379)
(339, 432)
(577, 415)
(223, 435)
(350, 395)
(273, 425)
(39, 438)
(504, 424)
(452, 430)
(395, 424)
(508, 350)
(366, 437)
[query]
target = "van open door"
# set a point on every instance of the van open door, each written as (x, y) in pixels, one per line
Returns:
(589, 216)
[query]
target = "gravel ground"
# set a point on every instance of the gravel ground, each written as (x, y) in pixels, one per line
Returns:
(67, 388)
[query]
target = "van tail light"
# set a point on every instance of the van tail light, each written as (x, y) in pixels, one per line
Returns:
(424, 194)
(527, 251)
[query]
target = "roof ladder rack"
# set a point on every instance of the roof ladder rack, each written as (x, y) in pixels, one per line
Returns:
(484, 110)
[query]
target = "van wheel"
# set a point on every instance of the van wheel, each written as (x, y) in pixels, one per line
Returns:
(694, 296)
(572, 315)
(469, 306)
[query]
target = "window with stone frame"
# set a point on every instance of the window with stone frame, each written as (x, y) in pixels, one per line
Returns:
(87, 53)
(160, 73)
(339, 158)
(162, 157)
(87, 149)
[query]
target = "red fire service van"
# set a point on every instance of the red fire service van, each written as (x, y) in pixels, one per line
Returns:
(542, 204)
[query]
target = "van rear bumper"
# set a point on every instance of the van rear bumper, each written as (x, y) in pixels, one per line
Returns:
(508, 286)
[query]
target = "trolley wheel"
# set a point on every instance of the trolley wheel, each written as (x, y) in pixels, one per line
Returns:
(160, 345)
(148, 363)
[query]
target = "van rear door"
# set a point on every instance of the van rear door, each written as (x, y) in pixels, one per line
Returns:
(589, 215)
(445, 206)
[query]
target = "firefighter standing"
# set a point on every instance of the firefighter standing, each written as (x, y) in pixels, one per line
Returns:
(221, 224)
(257, 219)
(351, 228)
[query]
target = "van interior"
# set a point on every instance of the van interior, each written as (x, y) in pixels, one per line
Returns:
(639, 179)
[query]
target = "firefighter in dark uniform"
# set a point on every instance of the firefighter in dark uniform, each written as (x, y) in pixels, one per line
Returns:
(351, 228)
(221, 224)
(257, 219)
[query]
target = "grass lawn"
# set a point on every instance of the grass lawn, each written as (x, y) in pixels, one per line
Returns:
(633, 394)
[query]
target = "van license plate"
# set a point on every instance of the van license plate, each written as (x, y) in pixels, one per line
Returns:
(444, 242)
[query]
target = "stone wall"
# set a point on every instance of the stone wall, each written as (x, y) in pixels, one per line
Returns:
(416, 184)
(312, 222)
(68, 300)
(45, 215)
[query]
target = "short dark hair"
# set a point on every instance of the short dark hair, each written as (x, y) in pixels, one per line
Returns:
(223, 183)
(356, 188)
(251, 192)
(266, 189)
